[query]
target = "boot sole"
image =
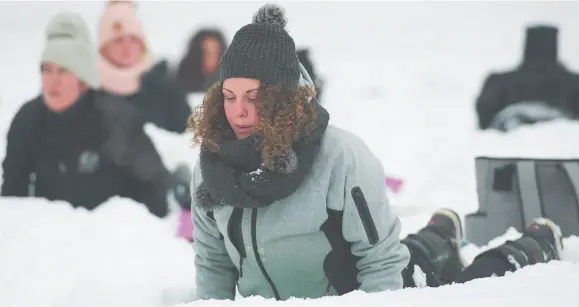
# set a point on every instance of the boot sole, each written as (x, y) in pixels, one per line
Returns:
(556, 231)
(458, 226)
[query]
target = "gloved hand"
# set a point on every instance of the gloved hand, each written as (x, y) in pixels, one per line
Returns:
(182, 194)
(180, 189)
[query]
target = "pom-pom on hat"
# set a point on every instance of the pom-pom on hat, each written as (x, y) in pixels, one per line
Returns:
(120, 19)
(263, 50)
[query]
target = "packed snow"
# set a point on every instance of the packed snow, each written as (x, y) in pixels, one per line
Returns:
(403, 76)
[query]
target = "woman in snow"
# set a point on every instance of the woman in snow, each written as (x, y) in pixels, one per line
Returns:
(286, 205)
(197, 70)
(75, 143)
(126, 69)
(275, 184)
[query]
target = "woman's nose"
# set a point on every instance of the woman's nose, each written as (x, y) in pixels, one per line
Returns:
(241, 109)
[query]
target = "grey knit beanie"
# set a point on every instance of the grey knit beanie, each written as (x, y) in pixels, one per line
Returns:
(263, 50)
(68, 44)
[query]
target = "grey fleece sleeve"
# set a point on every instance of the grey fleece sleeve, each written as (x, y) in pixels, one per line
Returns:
(215, 273)
(373, 229)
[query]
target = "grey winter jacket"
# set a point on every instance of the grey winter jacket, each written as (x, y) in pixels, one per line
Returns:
(316, 242)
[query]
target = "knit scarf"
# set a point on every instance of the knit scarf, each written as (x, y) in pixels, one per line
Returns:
(236, 177)
(122, 81)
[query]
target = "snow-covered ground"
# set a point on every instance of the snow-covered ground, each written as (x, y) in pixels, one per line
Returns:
(401, 75)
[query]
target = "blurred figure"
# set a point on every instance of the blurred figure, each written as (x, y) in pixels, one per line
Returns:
(539, 89)
(306, 60)
(78, 144)
(197, 70)
(126, 69)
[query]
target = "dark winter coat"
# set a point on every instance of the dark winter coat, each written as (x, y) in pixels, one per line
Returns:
(161, 100)
(95, 150)
(540, 78)
(543, 83)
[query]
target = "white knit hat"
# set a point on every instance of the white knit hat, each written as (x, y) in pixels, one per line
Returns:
(120, 19)
(68, 44)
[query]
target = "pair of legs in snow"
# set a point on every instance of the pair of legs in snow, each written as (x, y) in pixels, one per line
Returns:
(435, 249)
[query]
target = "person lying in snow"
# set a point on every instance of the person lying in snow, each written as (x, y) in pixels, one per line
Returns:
(286, 205)
(76, 143)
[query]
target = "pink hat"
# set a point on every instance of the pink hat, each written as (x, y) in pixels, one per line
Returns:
(120, 19)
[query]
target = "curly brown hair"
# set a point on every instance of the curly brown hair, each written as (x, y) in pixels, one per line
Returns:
(285, 115)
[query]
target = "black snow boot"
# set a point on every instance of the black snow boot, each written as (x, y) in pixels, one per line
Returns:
(548, 235)
(541, 242)
(436, 249)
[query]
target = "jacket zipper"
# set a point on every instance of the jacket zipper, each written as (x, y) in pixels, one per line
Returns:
(256, 253)
(236, 236)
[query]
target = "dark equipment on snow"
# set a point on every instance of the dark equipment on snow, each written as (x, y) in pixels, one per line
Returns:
(514, 191)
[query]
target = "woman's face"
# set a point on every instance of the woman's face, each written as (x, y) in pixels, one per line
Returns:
(60, 88)
(239, 102)
(124, 51)
(211, 54)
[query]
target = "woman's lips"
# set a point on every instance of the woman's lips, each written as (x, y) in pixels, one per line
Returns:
(244, 129)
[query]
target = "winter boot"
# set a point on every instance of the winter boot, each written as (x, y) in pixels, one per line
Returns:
(541, 242)
(548, 235)
(436, 248)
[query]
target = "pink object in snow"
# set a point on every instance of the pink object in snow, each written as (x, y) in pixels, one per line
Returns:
(185, 225)
(394, 184)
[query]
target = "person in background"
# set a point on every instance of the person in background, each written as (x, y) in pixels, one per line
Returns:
(305, 58)
(540, 89)
(126, 69)
(76, 143)
(197, 70)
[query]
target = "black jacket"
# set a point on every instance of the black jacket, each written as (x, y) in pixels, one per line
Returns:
(541, 77)
(537, 82)
(161, 100)
(85, 155)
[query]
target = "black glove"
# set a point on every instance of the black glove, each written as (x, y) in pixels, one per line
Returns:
(180, 188)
